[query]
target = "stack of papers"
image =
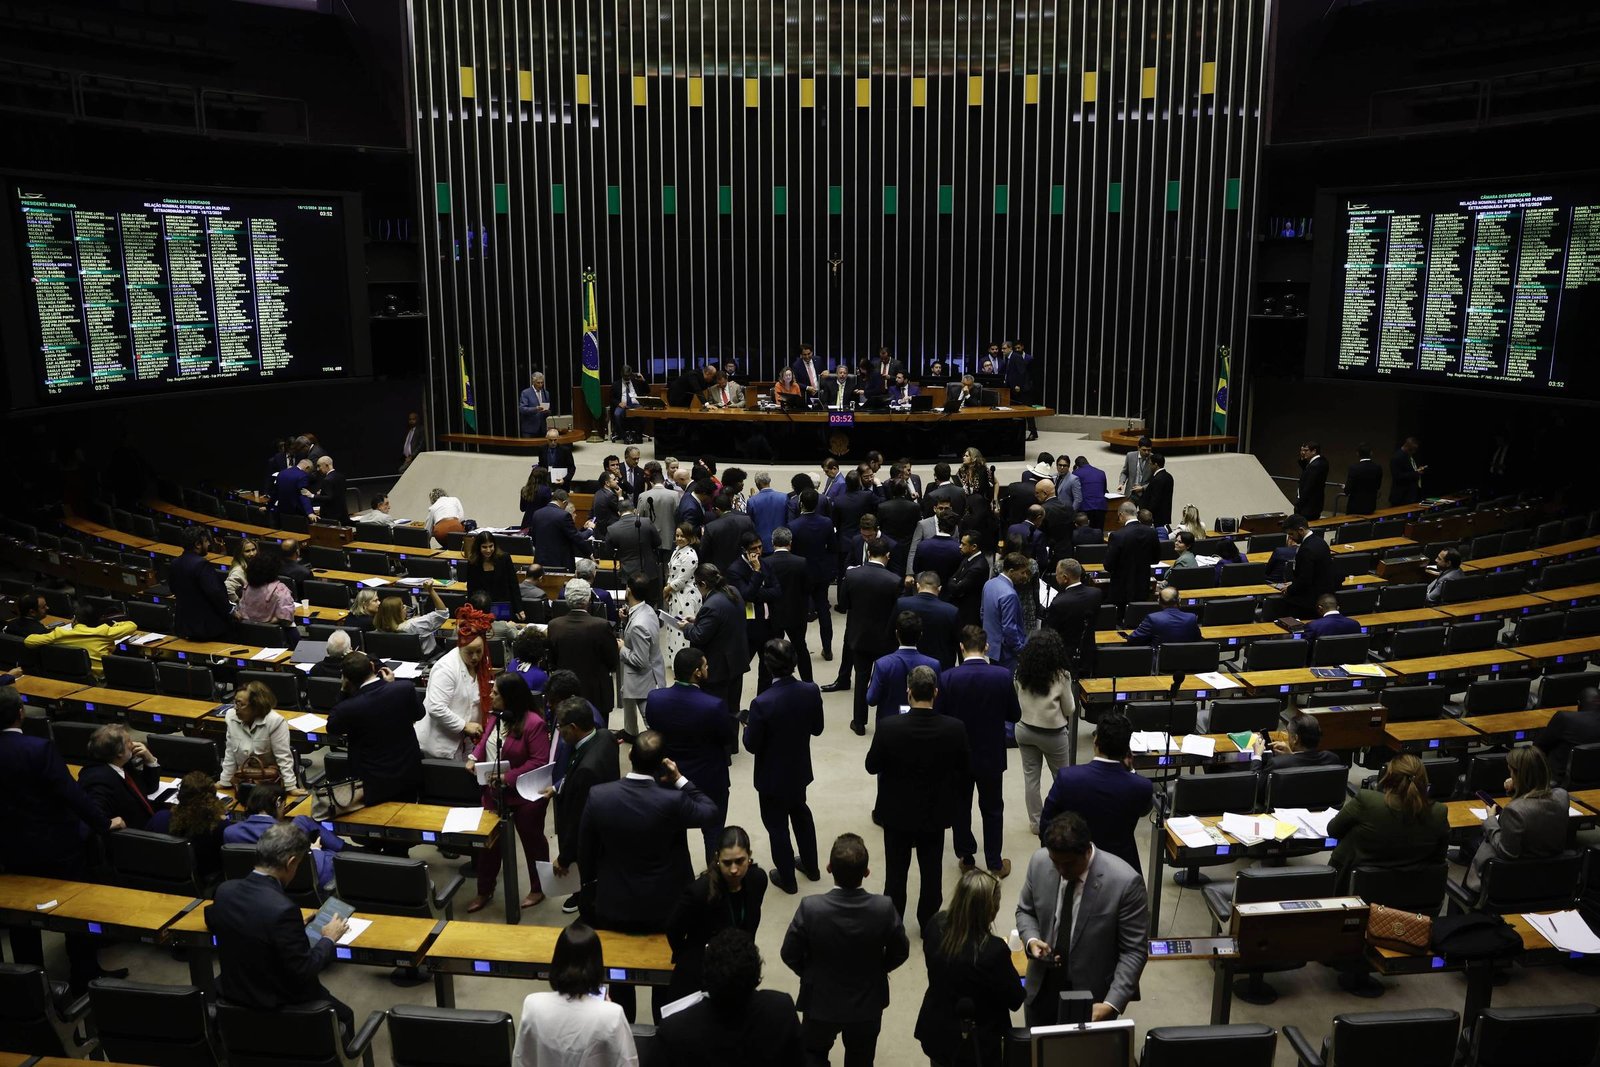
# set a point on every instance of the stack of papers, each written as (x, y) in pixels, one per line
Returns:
(408, 670)
(557, 887)
(1308, 824)
(374, 583)
(532, 784)
(463, 820)
(484, 770)
(1363, 670)
(1150, 741)
(269, 653)
(1251, 829)
(148, 639)
(1218, 680)
(308, 724)
(1191, 831)
(1567, 931)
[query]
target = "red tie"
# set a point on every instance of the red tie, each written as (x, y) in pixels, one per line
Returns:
(724, 395)
(148, 810)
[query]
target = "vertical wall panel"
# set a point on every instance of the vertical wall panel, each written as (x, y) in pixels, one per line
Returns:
(929, 174)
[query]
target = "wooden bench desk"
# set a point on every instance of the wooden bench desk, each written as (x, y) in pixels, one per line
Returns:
(1226, 752)
(167, 711)
(1428, 735)
(1455, 665)
(1507, 728)
(215, 523)
(1571, 595)
(1566, 549)
(1304, 680)
(1143, 687)
(1462, 818)
(45, 691)
(129, 914)
(489, 950)
(1574, 651)
(104, 704)
(1388, 620)
(414, 824)
(20, 895)
(1377, 544)
(1495, 608)
(1495, 564)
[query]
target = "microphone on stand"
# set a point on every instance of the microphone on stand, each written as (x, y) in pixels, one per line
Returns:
(967, 1019)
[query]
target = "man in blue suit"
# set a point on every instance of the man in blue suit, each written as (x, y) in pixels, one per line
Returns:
(767, 508)
(981, 696)
(940, 552)
(287, 499)
(1329, 623)
(1111, 798)
(1168, 624)
(1002, 609)
(533, 407)
(697, 732)
(887, 689)
(202, 612)
(556, 541)
(814, 543)
(940, 620)
(783, 720)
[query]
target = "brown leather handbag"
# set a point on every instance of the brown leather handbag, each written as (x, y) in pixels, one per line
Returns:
(257, 770)
(1399, 931)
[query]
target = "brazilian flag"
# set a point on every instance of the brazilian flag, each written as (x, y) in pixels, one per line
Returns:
(469, 409)
(591, 346)
(1219, 402)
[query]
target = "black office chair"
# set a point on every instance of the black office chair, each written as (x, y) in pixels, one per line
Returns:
(368, 562)
(178, 755)
(323, 693)
(1583, 622)
(133, 673)
(1537, 629)
(1486, 772)
(1414, 703)
(325, 557)
(1287, 654)
(1547, 533)
(1583, 767)
(1352, 532)
(1494, 695)
(1235, 574)
(1258, 885)
(66, 664)
(450, 784)
(1245, 713)
(1505, 886)
(391, 885)
(1566, 1035)
(1359, 601)
(1402, 597)
(1473, 636)
(1419, 888)
(1134, 613)
(151, 618)
(1104, 619)
(424, 567)
(285, 686)
(1461, 590)
(35, 1017)
(424, 1036)
(1266, 542)
(264, 634)
(412, 537)
(1346, 564)
(321, 631)
(1416, 642)
(404, 647)
(1231, 1045)
(72, 739)
(138, 1022)
(1210, 794)
(298, 1035)
(1123, 661)
(1228, 611)
(156, 863)
(1483, 546)
(1563, 690)
(1306, 787)
(186, 680)
(1427, 1036)
(239, 860)
(1444, 772)
(1343, 648)
(325, 594)
(1188, 657)
(1193, 578)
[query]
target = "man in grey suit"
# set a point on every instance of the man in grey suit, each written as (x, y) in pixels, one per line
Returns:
(639, 650)
(1101, 947)
(636, 543)
(1135, 471)
(843, 944)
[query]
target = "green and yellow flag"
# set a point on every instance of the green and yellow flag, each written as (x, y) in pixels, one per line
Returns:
(1219, 402)
(591, 345)
(469, 409)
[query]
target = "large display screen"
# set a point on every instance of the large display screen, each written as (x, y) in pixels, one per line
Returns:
(1495, 288)
(130, 291)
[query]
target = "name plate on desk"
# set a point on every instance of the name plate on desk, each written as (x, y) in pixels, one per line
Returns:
(841, 418)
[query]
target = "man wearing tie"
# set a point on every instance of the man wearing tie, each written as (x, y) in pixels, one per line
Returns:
(971, 394)
(554, 457)
(1405, 476)
(1135, 472)
(1002, 609)
(632, 474)
(724, 394)
(839, 386)
(806, 372)
(624, 395)
(1313, 481)
(416, 441)
(533, 407)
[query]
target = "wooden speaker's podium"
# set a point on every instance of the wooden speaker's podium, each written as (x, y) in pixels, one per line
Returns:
(1346, 726)
(1287, 932)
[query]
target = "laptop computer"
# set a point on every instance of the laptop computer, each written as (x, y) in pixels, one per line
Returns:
(651, 401)
(877, 402)
(792, 403)
(921, 403)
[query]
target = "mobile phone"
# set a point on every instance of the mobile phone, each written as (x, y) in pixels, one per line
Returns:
(603, 993)
(1266, 738)
(1488, 800)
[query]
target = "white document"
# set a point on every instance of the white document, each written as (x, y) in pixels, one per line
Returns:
(413, 581)
(1479, 813)
(356, 928)
(1218, 680)
(269, 653)
(1249, 828)
(1150, 741)
(463, 820)
(148, 639)
(47, 905)
(1308, 824)
(551, 886)
(1576, 812)
(531, 786)
(1199, 745)
(1046, 594)
(1191, 831)
(682, 1002)
(1567, 931)
(374, 583)
(166, 783)
(558, 474)
(485, 769)
(303, 668)
(408, 670)
(308, 724)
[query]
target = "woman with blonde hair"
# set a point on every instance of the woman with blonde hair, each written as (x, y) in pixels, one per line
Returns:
(974, 474)
(234, 582)
(966, 961)
(392, 618)
(1532, 824)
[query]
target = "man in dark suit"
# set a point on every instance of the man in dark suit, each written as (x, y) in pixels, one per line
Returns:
(287, 498)
(1167, 624)
(555, 456)
(556, 541)
(921, 761)
(898, 514)
(202, 612)
(330, 499)
(120, 775)
(850, 505)
(940, 620)
(854, 548)
(1072, 614)
(720, 544)
(882, 371)
(980, 696)
(696, 733)
(887, 690)
(969, 394)
(266, 958)
(782, 722)
(291, 571)
(1027, 537)
(1018, 371)
(1313, 571)
(1157, 498)
(965, 589)
(1016, 499)
(1112, 799)
(32, 609)
(1057, 524)
(1130, 553)
(808, 374)
(1405, 476)
(690, 384)
(736, 1022)
(719, 631)
(45, 810)
(1329, 623)
(814, 542)
(1361, 483)
(1308, 498)
(1568, 729)
(843, 944)
(787, 614)
(940, 552)
(585, 645)
(867, 593)
(375, 715)
(632, 851)
(591, 761)
(636, 544)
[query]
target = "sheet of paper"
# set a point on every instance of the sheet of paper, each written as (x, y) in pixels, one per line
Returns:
(148, 639)
(374, 583)
(1566, 930)
(1307, 824)
(558, 474)
(1046, 594)
(1186, 824)
(413, 581)
(1576, 812)
(533, 783)
(1363, 670)
(47, 905)
(485, 769)
(408, 670)
(551, 886)
(1150, 741)
(1199, 745)
(1479, 813)
(308, 724)
(166, 783)
(304, 668)
(1249, 828)
(682, 1002)
(1218, 680)
(269, 653)
(356, 927)
(463, 820)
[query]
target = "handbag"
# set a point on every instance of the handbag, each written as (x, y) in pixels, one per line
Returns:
(257, 770)
(1400, 931)
(332, 799)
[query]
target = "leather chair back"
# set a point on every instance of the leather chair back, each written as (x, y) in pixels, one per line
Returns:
(138, 1022)
(423, 1036)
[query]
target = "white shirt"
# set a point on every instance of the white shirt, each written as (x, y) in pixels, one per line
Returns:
(446, 507)
(451, 702)
(561, 1031)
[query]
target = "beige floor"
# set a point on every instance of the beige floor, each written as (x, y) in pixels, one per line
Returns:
(1173, 992)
